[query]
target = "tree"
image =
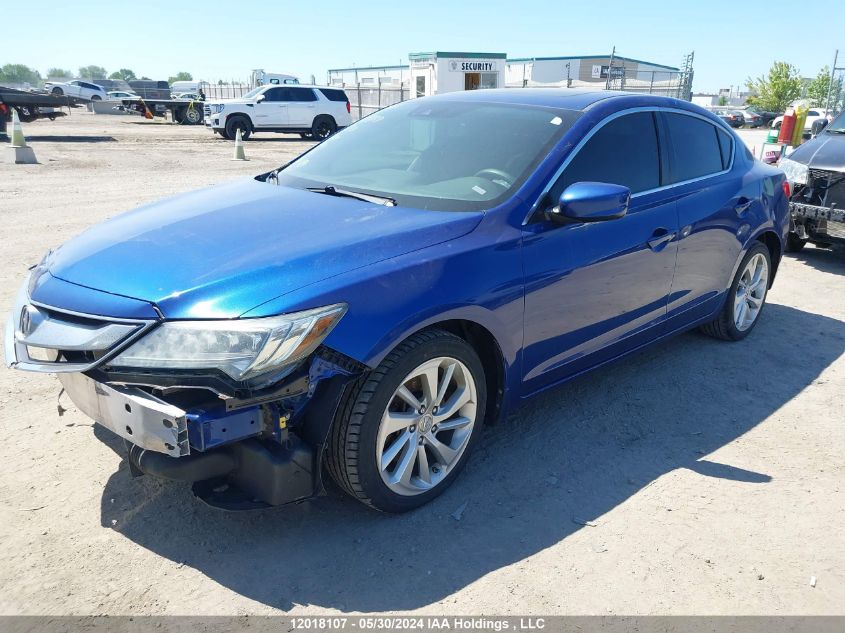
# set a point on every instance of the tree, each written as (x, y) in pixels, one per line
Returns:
(819, 88)
(723, 100)
(181, 76)
(125, 74)
(59, 72)
(775, 91)
(19, 74)
(92, 72)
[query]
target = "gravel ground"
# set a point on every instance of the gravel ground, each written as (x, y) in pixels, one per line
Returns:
(698, 477)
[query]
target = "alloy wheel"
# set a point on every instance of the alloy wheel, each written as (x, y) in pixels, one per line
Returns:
(751, 292)
(426, 427)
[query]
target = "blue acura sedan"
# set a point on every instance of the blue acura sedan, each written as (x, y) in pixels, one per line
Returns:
(365, 309)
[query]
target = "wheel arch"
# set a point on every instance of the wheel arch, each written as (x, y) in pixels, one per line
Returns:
(772, 241)
(490, 353)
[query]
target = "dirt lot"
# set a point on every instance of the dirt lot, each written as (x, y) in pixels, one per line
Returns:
(698, 477)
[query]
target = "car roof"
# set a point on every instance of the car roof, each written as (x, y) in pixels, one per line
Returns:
(567, 98)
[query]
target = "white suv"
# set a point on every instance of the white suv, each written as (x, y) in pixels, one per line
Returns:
(311, 111)
(77, 88)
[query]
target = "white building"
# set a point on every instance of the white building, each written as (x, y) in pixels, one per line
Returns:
(588, 70)
(429, 73)
(441, 71)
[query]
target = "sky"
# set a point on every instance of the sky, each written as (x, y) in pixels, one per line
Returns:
(220, 39)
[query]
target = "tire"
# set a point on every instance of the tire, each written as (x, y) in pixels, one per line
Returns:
(725, 326)
(323, 127)
(192, 116)
(794, 243)
(57, 91)
(235, 122)
(26, 114)
(777, 125)
(358, 437)
(95, 98)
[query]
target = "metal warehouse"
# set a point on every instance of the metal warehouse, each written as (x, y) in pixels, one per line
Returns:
(439, 72)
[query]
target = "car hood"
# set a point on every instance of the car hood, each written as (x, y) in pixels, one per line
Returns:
(219, 252)
(826, 151)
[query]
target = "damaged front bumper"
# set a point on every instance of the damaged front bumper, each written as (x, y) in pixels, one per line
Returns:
(240, 447)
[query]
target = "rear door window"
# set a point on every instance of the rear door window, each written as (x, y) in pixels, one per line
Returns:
(302, 94)
(623, 152)
(697, 148)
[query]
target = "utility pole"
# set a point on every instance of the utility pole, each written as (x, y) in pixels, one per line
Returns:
(830, 84)
(610, 69)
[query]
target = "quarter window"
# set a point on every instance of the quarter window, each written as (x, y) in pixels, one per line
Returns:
(697, 147)
(623, 152)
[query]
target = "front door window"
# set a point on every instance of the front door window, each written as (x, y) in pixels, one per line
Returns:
(420, 86)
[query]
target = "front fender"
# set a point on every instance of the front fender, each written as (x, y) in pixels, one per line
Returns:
(476, 278)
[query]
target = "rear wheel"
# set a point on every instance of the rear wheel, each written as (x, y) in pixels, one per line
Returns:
(405, 430)
(57, 91)
(745, 299)
(238, 123)
(324, 126)
(95, 98)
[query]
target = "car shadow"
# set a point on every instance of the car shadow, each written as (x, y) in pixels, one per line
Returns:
(559, 464)
(828, 260)
(42, 138)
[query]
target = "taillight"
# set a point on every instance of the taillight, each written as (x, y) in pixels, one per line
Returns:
(348, 107)
(786, 189)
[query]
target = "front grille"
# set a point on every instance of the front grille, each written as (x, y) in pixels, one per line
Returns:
(206, 110)
(60, 341)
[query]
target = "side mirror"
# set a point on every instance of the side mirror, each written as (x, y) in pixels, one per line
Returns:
(260, 98)
(591, 202)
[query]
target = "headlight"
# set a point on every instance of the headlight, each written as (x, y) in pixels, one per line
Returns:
(242, 348)
(217, 107)
(795, 172)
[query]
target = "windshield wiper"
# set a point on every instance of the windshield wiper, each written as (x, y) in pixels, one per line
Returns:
(345, 193)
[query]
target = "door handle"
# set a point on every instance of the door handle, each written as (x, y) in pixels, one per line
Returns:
(743, 204)
(661, 237)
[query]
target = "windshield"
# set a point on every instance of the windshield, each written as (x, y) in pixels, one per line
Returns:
(838, 124)
(441, 155)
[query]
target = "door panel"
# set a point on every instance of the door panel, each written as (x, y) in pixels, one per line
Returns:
(302, 107)
(273, 110)
(596, 290)
(713, 210)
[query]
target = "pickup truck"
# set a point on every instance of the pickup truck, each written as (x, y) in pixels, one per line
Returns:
(311, 111)
(816, 174)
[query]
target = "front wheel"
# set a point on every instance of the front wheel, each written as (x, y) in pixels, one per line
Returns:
(745, 299)
(794, 243)
(238, 123)
(405, 430)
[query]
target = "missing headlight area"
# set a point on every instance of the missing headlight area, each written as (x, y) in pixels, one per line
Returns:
(818, 209)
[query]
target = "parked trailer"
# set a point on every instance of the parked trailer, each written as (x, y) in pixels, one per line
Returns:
(31, 106)
(181, 111)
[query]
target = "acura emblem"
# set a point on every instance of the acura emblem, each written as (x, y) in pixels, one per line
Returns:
(30, 319)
